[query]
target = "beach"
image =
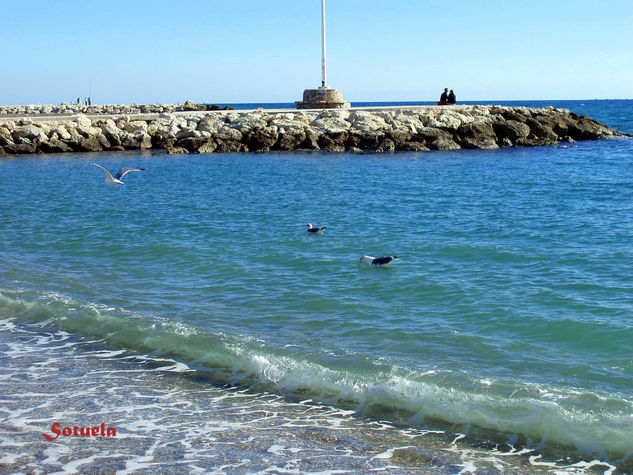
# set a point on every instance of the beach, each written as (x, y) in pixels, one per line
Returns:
(189, 310)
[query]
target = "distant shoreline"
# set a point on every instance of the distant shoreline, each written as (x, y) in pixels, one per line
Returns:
(195, 128)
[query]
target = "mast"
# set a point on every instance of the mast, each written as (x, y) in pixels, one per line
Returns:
(323, 67)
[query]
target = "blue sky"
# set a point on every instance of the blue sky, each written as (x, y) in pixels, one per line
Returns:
(269, 51)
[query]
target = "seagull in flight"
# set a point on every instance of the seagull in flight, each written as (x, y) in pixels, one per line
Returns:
(377, 261)
(116, 179)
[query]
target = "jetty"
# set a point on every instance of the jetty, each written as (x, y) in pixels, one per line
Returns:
(194, 128)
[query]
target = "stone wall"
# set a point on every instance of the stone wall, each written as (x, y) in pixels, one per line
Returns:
(412, 128)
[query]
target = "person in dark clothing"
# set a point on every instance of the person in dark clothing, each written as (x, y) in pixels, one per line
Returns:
(443, 98)
(451, 97)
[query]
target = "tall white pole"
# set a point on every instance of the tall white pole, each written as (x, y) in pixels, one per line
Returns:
(323, 69)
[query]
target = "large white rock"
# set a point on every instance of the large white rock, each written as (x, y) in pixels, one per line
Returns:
(447, 120)
(363, 121)
(136, 126)
(244, 124)
(31, 132)
(332, 124)
(228, 133)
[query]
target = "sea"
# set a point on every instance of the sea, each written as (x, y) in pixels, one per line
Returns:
(186, 322)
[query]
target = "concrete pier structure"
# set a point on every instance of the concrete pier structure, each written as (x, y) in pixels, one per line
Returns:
(322, 98)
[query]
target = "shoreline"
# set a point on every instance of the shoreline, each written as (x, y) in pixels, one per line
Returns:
(189, 129)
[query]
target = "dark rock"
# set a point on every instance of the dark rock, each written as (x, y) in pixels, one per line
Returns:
(366, 141)
(436, 139)
(213, 107)
(55, 146)
(480, 135)
(139, 141)
(387, 145)
(261, 139)
(512, 130)
(113, 138)
(231, 146)
(541, 130)
(516, 115)
(193, 144)
(90, 144)
(161, 142)
(311, 141)
(557, 122)
(585, 128)
(2, 152)
(228, 108)
(413, 146)
(290, 140)
(103, 141)
(333, 141)
(19, 149)
(191, 106)
(177, 150)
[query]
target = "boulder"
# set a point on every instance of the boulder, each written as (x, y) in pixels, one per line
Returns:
(436, 139)
(261, 139)
(112, 132)
(585, 128)
(194, 144)
(228, 134)
(30, 132)
(366, 122)
(19, 149)
(246, 124)
(480, 135)
(369, 140)
(55, 146)
(90, 144)
(387, 145)
(291, 133)
(413, 146)
(447, 121)
(176, 150)
(543, 131)
(333, 141)
(231, 146)
(512, 130)
(136, 126)
(5, 136)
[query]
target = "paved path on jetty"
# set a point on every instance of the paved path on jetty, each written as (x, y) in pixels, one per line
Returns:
(156, 115)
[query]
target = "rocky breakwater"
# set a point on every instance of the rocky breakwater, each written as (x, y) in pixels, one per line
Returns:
(104, 109)
(419, 128)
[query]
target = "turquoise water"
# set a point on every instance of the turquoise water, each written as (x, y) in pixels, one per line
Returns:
(508, 318)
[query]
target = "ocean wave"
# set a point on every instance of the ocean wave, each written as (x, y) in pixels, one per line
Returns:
(530, 415)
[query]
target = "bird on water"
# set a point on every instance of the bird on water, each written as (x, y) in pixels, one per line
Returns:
(116, 179)
(313, 230)
(377, 261)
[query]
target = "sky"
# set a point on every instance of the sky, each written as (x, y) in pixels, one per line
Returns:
(256, 51)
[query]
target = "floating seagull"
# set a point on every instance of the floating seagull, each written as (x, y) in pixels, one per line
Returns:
(116, 179)
(377, 261)
(313, 230)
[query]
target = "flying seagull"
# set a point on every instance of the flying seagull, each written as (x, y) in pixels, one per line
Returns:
(116, 179)
(377, 261)
(313, 230)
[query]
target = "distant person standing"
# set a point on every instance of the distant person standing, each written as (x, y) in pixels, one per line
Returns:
(443, 98)
(451, 97)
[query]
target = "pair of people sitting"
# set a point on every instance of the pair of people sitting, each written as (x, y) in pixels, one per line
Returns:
(447, 98)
